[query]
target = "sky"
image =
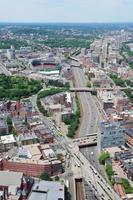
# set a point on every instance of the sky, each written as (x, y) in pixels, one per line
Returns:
(66, 11)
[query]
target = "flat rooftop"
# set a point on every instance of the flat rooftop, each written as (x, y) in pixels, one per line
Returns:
(47, 190)
(30, 154)
(7, 139)
(10, 178)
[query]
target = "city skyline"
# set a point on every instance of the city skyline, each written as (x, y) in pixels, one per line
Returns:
(71, 11)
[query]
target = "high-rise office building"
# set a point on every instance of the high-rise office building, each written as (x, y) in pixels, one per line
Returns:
(111, 135)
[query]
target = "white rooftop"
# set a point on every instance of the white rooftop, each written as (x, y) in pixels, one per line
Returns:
(7, 139)
(47, 190)
(49, 72)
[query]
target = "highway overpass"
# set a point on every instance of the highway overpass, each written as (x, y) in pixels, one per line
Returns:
(88, 140)
(86, 89)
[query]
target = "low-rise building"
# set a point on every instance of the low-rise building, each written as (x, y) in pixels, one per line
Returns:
(121, 103)
(3, 126)
(125, 158)
(29, 138)
(106, 98)
(58, 106)
(10, 185)
(43, 134)
(47, 190)
(7, 142)
(30, 160)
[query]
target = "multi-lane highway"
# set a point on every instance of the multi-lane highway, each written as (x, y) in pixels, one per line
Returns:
(102, 189)
(90, 114)
(91, 153)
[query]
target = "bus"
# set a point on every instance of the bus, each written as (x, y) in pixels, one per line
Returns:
(67, 184)
(60, 133)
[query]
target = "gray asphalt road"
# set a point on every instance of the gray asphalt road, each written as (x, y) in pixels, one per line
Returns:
(91, 115)
(89, 194)
(93, 159)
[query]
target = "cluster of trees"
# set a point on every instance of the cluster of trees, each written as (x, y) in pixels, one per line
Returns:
(123, 83)
(41, 108)
(129, 93)
(73, 122)
(44, 94)
(57, 83)
(129, 83)
(128, 188)
(6, 43)
(126, 49)
(109, 171)
(118, 81)
(45, 176)
(33, 30)
(14, 87)
(131, 64)
(108, 167)
(103, 157)
(63, 42)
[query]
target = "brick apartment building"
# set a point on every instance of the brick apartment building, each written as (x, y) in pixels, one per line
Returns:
(31, 162)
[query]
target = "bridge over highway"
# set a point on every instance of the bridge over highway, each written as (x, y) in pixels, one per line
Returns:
(86, 89)
(88, 140)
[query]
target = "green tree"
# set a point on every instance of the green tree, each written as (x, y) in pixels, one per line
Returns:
(74, 121)
(109, 171)
(60, 157)
(118, 81)
(88, 84)
(45, 176)
(67, 120)
(103, 157)
(128, 188)
(129, 93)
(56, 178)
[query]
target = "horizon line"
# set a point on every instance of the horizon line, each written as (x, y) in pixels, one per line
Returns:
(29, 22)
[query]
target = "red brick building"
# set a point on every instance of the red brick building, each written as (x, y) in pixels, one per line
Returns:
(31, 162)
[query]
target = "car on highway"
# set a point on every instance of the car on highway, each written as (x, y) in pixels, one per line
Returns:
(70, 146)
(77, 164)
